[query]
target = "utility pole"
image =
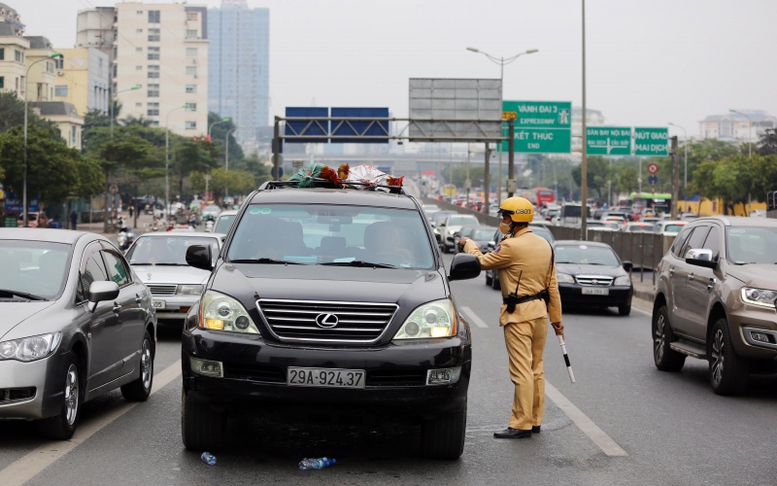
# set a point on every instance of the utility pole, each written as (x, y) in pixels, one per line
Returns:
(468, 183)
(486, 181)
(675, 175)
(511, 158)
(584, 164)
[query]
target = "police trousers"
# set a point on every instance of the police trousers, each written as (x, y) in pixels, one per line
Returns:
(525, 343)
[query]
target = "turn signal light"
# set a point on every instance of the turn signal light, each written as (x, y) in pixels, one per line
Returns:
(216, 324)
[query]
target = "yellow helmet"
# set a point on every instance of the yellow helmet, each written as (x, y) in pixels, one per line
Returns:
(519, 209)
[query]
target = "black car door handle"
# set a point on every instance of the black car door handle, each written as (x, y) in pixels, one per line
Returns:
(138, 299)
(711, 285)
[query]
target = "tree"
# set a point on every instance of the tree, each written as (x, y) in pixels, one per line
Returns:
(192, 155)
(767, 143)
(596, 172)
(133, 120)
(218, 133)
(12, 109)
(258, 169)
(627, 180)
(52, 167)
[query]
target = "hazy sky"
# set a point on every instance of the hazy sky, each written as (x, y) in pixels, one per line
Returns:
(649, 62)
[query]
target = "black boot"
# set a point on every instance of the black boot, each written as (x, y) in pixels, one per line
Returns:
(535, 429)
(511, 433)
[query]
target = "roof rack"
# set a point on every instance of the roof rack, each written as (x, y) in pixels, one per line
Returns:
(326, 183)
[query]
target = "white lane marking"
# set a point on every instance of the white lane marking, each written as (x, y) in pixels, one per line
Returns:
(605, 443)
(28, 466)
(649, 314)
(474, 317)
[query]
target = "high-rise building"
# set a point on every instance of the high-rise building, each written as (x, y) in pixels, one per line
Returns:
(742, 125)
(239, 66)
(12, 51)
(163, 48)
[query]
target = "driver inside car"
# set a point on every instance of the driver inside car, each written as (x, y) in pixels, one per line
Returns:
(383, 242)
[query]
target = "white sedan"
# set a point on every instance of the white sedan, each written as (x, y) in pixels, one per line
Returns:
(159, 260)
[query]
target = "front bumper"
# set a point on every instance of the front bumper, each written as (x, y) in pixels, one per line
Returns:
(747, 319)
(43, 379)
(175, 306)
(255, 375)
(572, 295)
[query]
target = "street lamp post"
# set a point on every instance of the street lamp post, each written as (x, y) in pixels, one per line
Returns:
(502, 61)
(584, 161)
(56, 55)
(226, 158)
(685, 150)
(749, 148)
(223, 120)
(167, 160)
(111, 112)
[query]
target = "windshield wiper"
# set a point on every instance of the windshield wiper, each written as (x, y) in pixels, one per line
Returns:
(264, 260)
(159, 264)
(18, 293)
(359, 263)
(567, 263)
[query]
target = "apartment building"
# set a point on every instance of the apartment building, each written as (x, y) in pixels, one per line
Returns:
(12, 51)
(42, 75)
(239, 66)
(164, 49)
(82, 79)
(66, 116)
(742, 125)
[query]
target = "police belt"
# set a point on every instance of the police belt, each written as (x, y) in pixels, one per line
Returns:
(512, 300)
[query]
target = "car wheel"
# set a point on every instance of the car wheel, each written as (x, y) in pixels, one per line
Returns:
(489, 279)
(624, 310)
(728, 372)
(202, 427)
(63, 425)
(140, 389)
(443, 437)
(495, 282)
(665, 358)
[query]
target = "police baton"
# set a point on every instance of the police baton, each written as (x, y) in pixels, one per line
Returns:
(566, 358)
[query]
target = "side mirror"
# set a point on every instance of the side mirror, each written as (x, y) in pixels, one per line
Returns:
(102, 290)
(464, 266)
(628, 266)
(701, 257)
(199, 256)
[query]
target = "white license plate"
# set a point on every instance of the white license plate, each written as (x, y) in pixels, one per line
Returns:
(159, 304)
(593, 291)
(325, 377)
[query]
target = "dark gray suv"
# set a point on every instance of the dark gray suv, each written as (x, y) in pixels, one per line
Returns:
(715, 300)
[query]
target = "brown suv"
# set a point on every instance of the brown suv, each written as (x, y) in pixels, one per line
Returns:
(715, 299)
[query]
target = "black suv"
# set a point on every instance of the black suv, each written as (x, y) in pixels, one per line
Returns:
(328, 300)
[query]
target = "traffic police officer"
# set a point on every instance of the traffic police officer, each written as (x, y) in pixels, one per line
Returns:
(527, 275)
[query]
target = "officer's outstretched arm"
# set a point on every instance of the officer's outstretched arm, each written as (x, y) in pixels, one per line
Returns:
(499, 258)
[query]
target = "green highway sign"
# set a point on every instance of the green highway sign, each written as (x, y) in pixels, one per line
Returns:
(653, 142)
(540, 126)
(608, 140)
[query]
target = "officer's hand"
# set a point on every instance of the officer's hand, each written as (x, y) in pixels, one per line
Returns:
(462, 241)
(558, 328)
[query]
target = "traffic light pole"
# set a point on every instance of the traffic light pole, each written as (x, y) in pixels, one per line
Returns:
(675, 175)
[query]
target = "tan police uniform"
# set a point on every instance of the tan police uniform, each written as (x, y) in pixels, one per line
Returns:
(526, 328)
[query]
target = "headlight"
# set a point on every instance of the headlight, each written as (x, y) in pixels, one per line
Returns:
(565, 278)
(189, 290)
(764, 298)
(219, 312)
(451, 231)
(431, 320)
(30, 348)
(622, 280)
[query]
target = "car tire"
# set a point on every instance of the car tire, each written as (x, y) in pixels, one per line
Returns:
(489, 279)
(140, 389)
(728, 372)
(202, 427)
(495, 284)
(665, 358)
(443, 437)
(63, 425)
(624, 310)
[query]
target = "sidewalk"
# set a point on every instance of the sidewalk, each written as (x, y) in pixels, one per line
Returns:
(144, 222)
(643, 289)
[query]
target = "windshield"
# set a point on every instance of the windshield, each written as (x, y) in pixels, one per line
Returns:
(483, 235)
(545, 233)
(223, 224)
(462, 220)
(586, 255)
(751, 245)
(33, 267)
(324, 234)
(167, 250)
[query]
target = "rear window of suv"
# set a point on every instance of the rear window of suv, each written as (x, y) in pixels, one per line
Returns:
(318, 234)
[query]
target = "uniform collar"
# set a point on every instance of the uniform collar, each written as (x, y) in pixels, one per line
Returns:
(522, 231)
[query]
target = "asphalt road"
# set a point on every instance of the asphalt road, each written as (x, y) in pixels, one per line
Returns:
(622, 423)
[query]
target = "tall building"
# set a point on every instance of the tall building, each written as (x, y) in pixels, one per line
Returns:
(239, 66)
(42, 76)
(593, 118)
(163, 48)
(737, 126)
(83, 79)
(12, 50)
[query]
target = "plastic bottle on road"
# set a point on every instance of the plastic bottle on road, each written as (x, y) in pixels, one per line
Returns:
(208, 458)
(319, 463)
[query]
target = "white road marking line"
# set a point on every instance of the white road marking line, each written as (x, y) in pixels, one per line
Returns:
(605, 443)
(649, 314)
(474, 317)
(28, 466)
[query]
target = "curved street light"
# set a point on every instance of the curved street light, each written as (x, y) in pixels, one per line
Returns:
(167, 159)
(749, 132)
(223, 120)
(55, 55)
(111, 112)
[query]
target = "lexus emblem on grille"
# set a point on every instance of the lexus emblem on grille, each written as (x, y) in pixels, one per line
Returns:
(327, 321)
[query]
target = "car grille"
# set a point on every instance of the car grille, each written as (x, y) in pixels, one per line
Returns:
(356, 322)
(162, 289)
(396, 378)
(594, 280)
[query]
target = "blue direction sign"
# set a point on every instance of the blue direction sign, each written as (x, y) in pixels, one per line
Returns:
(307, 127)
(14, 204)
(369, 126)
(653, 179)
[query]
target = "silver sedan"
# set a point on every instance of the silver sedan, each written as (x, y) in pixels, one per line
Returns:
(77, 323)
